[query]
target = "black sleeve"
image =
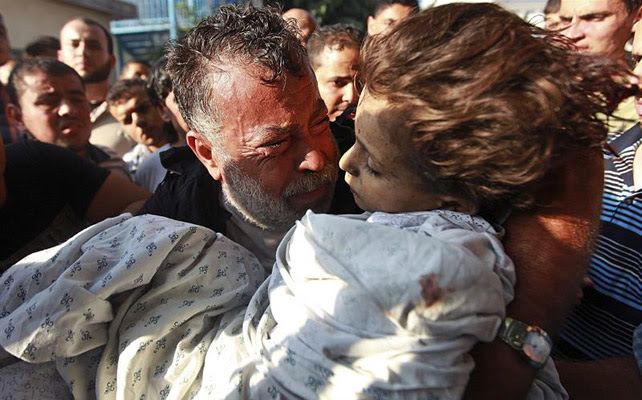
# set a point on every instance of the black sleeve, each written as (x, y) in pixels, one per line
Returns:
(78, 179)
(163, 201)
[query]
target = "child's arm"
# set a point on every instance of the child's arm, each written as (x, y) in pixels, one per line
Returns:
(550, 248)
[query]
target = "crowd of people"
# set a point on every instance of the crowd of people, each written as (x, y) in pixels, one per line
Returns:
(445, 205)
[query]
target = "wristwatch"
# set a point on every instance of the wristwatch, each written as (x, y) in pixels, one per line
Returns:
(530, 341)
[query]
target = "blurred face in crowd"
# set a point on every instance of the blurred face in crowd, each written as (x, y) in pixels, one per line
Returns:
(84, 48)
(53, 109)
(135, 70)
(304, 21)
(378, 179)
(598, 27)
(4, 42)
(336, 78)
(273, 165)
(140, 119)
(387, 18)
(175, 116)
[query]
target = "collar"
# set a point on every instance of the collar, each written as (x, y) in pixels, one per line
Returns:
(98, 111)
(625, 140)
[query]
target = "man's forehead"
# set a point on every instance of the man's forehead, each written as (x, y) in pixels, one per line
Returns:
(80, 30)
(584, 7)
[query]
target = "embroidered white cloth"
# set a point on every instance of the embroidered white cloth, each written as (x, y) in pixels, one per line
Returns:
(129, 307)
(382, 310)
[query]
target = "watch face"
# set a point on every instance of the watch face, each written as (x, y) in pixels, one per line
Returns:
(537, 347)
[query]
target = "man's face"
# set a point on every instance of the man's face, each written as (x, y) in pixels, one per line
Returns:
(335, 77)
(54, 109)
(386, 19)
(140, 119)
(4, 43)
(176, 118)
(378, 179)
(135, 70)
(84, 48)
(598, 27)
(278, 158)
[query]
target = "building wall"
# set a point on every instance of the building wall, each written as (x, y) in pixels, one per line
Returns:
(27, 19)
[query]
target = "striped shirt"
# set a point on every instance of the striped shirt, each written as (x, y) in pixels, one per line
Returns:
(602, 326)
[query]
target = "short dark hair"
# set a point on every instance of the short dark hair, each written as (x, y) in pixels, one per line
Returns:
(125, 89)
(336, 37)
(41, 46)
(552, 6)
(91, 22)
(46, 65)
(159, 84)
(490, 102)
(383, 4)
(235, 33)
(632, 5)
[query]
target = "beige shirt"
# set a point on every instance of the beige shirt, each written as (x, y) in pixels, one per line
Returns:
(106, 131)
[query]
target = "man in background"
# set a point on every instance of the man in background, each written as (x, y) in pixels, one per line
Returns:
(334, 56)
(602, 28)
(87, 47)
(387, 13)
(48, 104)
(305, 23)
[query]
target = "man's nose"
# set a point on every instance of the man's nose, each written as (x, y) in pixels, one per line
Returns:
(313, 158)
(574, 30)
(66, 108)
(138, 120)
(350, 94)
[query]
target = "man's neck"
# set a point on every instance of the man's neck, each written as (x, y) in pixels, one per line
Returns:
(97, 92)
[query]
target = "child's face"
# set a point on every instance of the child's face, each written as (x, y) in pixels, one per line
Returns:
(375, 171)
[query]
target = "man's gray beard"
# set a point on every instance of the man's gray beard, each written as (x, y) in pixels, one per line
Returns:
(101, 74)
(247, 196)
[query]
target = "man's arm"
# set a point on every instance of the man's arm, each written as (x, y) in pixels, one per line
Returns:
(613, 378)
(115, 195)
(550, 248)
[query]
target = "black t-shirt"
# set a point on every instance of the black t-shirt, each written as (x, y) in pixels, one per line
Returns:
(190, 194)
(48, 191)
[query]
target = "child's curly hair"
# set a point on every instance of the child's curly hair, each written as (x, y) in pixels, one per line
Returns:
(493, 102)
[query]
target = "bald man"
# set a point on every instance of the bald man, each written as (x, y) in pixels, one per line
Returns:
(304, 21)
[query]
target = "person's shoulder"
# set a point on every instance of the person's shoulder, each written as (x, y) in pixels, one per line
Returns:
(181, 161)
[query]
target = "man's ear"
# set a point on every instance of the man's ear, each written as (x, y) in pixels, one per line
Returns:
(14, 117)
(369, 23)
(112, 60)
(165, 114)
(203, 150)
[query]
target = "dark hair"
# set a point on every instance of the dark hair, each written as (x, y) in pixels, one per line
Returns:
(235, 33)
(42, 46)
(125, 89)
(91, 22)
(46, 65)
(383, 4)
(336, 37)
(159, 83)
(552, 6)
(632, 5)
(490, 102)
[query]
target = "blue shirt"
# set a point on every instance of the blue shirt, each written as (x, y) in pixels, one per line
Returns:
(602, 326)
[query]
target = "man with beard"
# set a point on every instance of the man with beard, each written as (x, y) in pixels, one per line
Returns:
(87, 47)
(259, 130)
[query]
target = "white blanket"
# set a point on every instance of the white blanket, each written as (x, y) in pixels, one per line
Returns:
(356, 310)
(129, 307)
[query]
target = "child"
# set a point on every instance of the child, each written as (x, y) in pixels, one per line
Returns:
(466, 108)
